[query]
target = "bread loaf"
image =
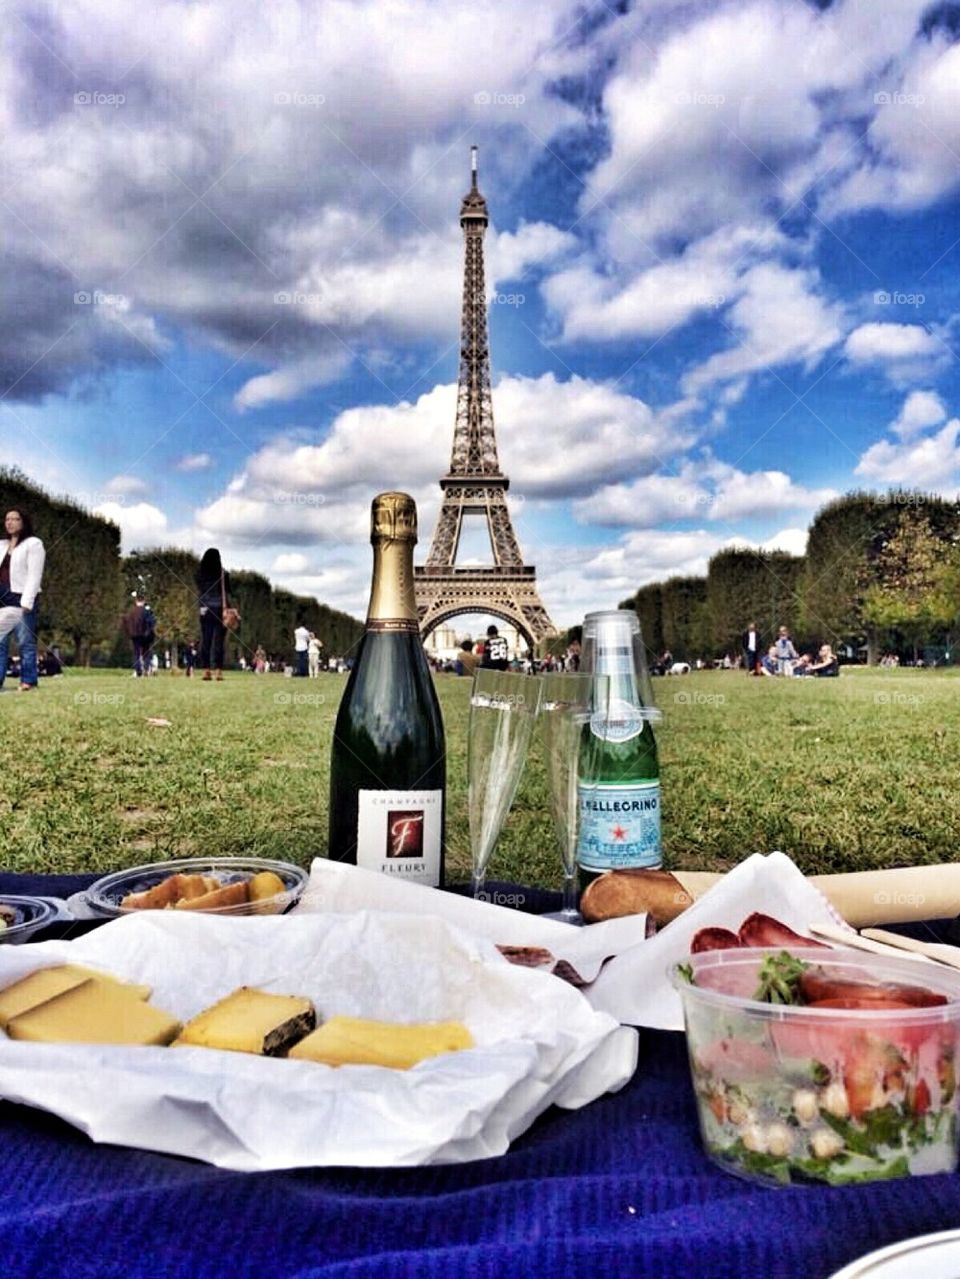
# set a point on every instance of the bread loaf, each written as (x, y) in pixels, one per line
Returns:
(634, 892)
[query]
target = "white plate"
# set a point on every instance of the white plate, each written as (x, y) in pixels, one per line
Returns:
(928, 1256)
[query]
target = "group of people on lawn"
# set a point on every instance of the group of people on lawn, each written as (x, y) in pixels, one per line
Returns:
(782, 658)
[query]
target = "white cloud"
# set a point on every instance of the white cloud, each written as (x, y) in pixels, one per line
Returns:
(142, 525)
(791, 540)
(126, 486)
(706, 489)
(879, 343)
(293, 562)
(195, 462)
(920, 410)
(779, 319)
(913, 138)
(928, 462)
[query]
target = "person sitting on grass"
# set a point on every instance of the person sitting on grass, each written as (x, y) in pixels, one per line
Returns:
(768, 663)
(826, 666)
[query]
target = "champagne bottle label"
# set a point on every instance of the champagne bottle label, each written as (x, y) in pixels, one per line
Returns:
(399, 834)
(620, 825)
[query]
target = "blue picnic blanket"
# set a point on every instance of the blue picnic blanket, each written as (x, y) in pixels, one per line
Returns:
(620, 1188)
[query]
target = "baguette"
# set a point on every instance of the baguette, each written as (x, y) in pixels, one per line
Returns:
(634, 892)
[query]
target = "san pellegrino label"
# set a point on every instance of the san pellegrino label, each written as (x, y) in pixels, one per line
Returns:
(620, 826)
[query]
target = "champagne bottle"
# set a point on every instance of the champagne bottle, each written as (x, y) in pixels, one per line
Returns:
(620, 805)
(387, 770)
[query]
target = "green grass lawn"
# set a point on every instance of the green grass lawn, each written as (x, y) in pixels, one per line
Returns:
(841, 774)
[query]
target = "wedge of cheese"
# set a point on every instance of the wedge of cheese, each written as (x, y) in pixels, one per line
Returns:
(94, 1012)
(344, 1041)
(251, 1021)
(45, 983)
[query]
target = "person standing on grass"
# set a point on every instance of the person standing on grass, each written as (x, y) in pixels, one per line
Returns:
(213, 587)
(314, 648)
(786, 653)
(140, 626)
(751, 648)
(21, 570)
(301, 645)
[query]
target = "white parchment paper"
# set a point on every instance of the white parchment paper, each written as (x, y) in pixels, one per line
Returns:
(336, 886)
(538, 1042)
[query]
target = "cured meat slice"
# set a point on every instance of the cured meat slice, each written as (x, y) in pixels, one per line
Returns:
(816, 985)
(714, 939)
(763, 930)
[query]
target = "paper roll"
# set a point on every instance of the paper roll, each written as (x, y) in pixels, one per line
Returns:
(869, 897)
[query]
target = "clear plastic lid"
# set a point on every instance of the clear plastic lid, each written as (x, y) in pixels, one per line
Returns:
(21, 917)
(613, 645)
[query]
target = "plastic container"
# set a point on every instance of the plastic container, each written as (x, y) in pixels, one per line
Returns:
(25, 916)
(791, 1094)
(104, 898)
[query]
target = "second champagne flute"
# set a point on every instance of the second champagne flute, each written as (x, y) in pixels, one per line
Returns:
(503, 707)
(573, 711)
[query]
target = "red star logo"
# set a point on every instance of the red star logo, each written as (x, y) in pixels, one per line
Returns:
(619, 833)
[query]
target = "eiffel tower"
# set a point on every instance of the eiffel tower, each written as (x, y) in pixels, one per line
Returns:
(475, 485)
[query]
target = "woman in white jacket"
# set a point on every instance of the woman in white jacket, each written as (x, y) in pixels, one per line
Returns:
(21, 572)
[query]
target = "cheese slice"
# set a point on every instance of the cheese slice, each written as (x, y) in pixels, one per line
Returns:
(94, 1013)
(45, 983)
(344, 1041)
(251, 1021)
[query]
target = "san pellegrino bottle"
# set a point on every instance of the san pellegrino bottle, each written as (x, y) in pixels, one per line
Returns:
(387, 770)
(620, 803)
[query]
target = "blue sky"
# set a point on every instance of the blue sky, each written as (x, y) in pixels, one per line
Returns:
(722, 266)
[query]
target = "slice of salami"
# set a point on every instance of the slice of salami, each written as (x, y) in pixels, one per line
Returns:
(816, 985)
(763, 930)
(714, 939)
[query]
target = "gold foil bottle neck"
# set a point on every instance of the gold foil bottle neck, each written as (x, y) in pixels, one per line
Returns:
(393, 532)
(393, 516)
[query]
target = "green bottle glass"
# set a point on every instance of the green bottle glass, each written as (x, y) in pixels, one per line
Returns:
(387, 770)
(620, 804)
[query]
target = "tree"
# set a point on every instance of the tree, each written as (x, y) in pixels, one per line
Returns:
(746, 586)
(168, 579)
(648, 606)
(683, 603)
(912, 584)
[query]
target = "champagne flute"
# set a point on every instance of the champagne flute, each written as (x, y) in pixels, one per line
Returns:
(571, 705)
(503, 708)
